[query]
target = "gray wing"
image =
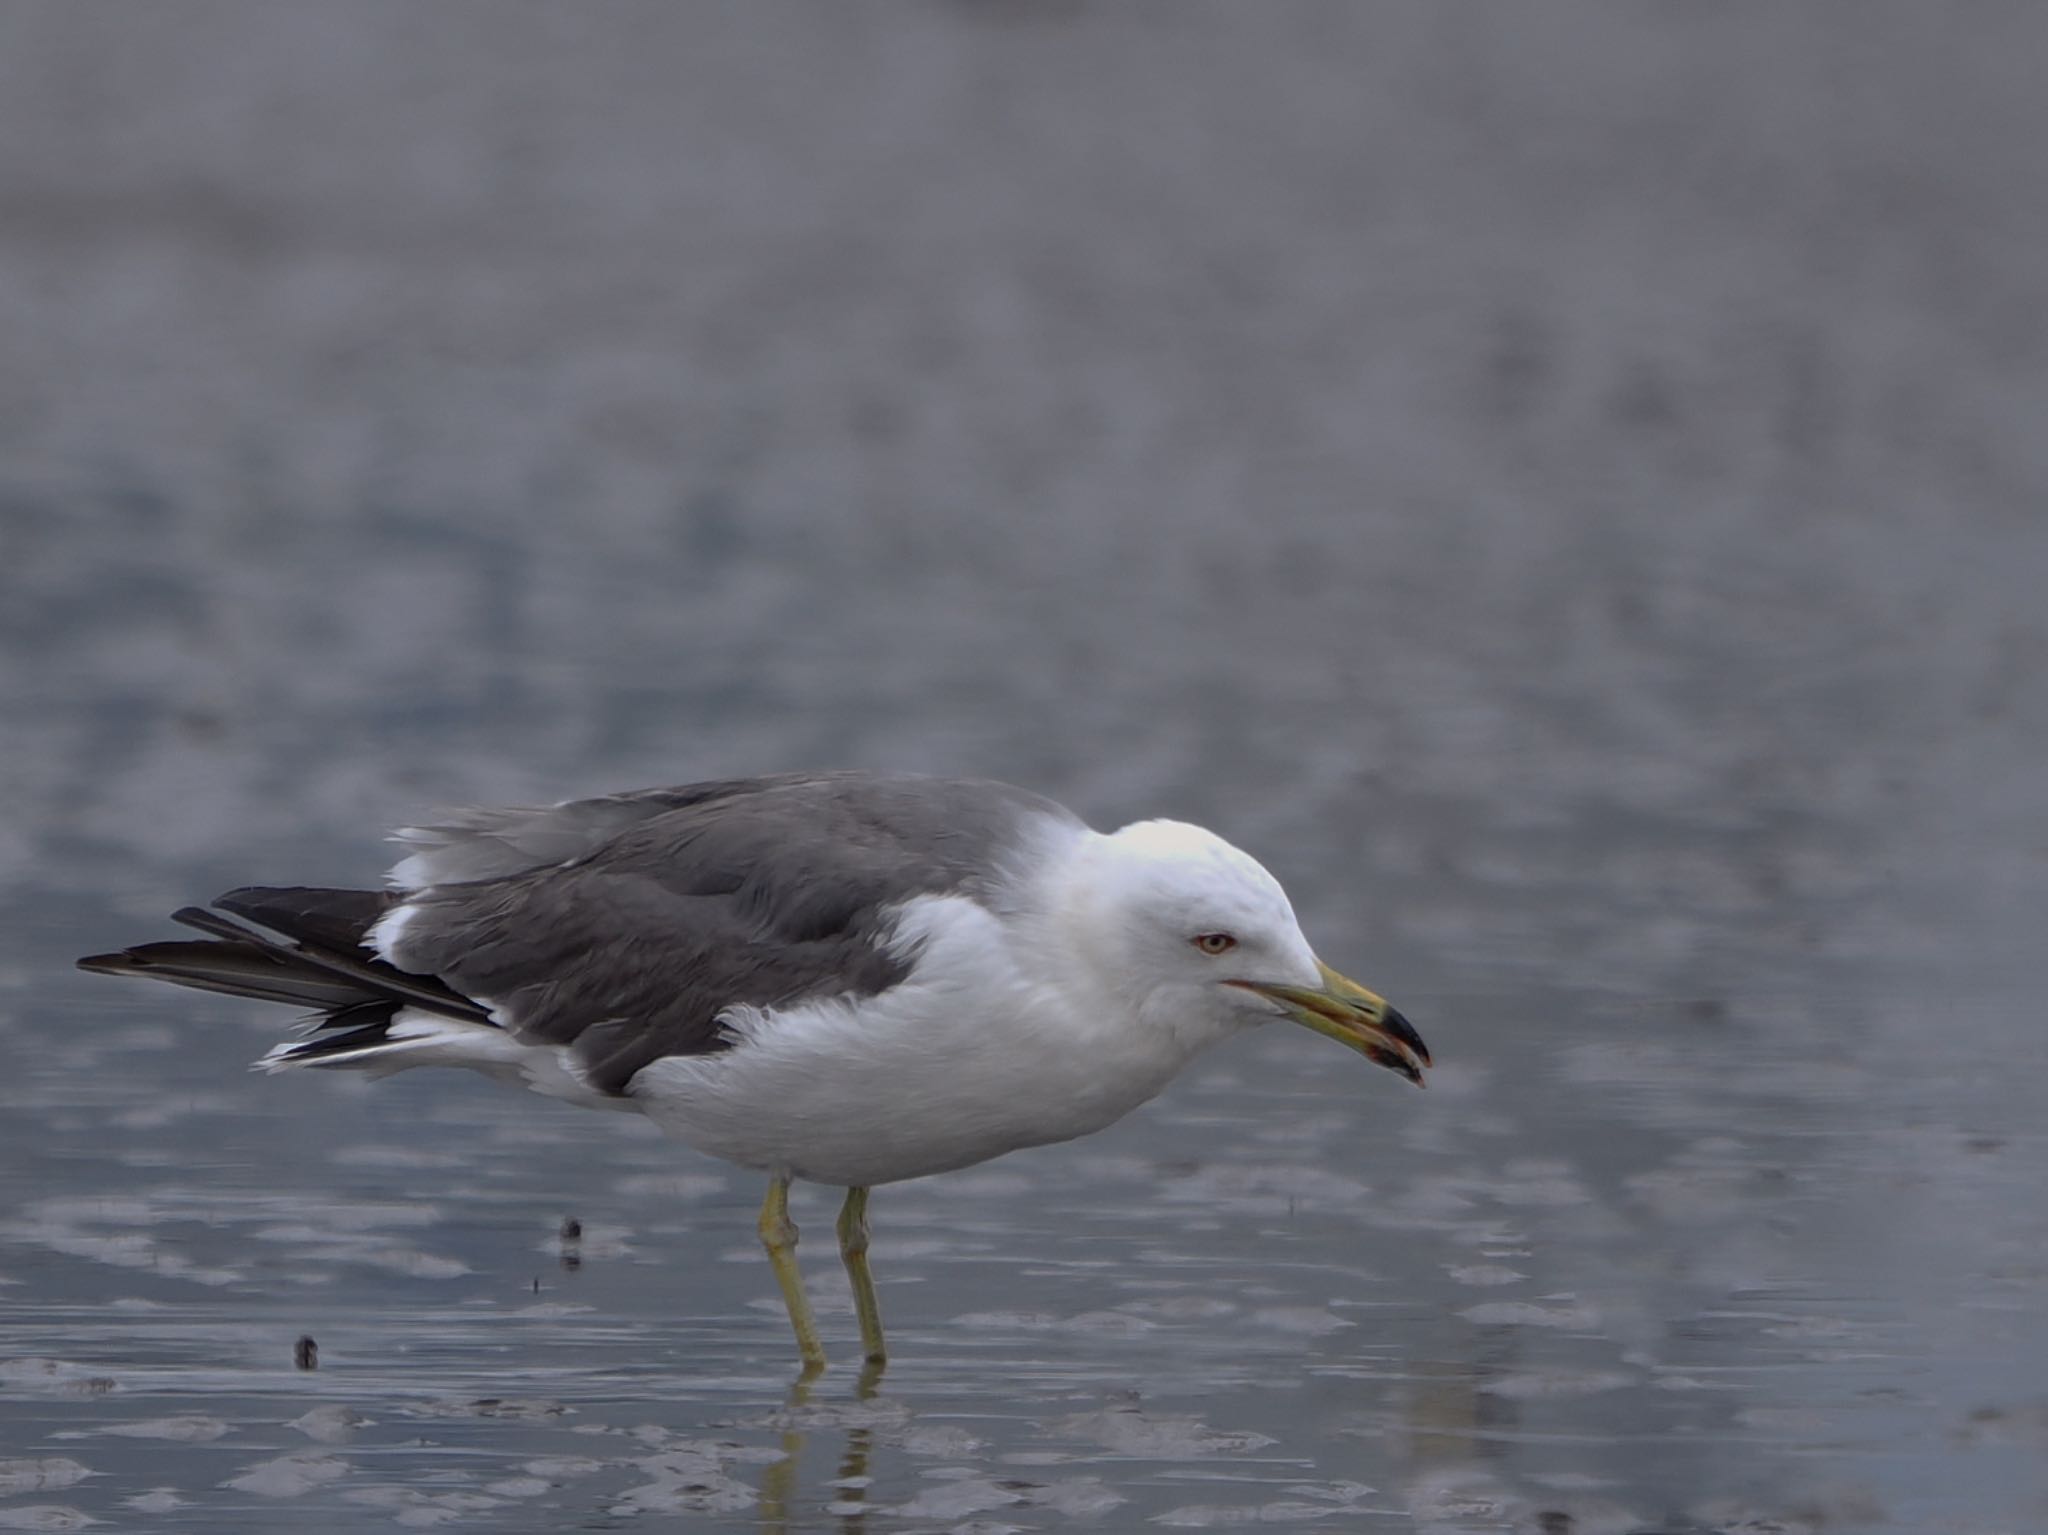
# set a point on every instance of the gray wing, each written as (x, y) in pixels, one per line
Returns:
(490, 842)
(674, 905)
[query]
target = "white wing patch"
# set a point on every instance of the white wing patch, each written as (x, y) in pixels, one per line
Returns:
(388, 931)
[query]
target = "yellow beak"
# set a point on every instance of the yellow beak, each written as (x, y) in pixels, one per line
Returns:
(1351, 1015)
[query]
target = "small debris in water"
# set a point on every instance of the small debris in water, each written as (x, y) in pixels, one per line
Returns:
(306, 1353)
(572, 1237)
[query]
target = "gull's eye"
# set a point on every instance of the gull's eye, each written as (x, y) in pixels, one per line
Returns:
(1215, 943)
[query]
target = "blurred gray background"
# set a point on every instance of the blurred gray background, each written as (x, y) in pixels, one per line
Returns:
(1564, 486)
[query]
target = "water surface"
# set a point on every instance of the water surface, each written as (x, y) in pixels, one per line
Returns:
(1564, 492)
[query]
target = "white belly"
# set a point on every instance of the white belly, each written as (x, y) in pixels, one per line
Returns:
(856, 1103)
(943, 1071)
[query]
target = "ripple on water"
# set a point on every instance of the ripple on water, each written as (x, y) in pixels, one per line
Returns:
(288, 1476)
(963, 1494)
(44, 1516)
(1130, 1430)
(54, 1377)
(331, 1424)
(184, 1428)
(1567, 1315)
(48, 1474)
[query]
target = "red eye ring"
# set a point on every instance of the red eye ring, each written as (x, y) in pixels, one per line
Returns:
(1214, 943)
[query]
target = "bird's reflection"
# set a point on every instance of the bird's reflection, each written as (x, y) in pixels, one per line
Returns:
(781, 1480)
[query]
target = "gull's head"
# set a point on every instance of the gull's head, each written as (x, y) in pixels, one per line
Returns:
(1196, 934)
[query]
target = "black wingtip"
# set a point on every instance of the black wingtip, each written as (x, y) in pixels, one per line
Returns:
(108, 964)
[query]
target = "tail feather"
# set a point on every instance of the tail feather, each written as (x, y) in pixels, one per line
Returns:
(317, 963)
(333, 1040)
(373, 976)
(234, 969)
(336, 920)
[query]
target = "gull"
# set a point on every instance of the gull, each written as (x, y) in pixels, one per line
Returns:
(848, 978)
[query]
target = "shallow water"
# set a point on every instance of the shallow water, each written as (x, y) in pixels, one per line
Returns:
(1565, 492)
(1642, 1290)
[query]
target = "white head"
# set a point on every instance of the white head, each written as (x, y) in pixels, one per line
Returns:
(1194, 936)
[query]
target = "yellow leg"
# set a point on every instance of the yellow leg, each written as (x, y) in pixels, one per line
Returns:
(778, 1235)
(853, 1251)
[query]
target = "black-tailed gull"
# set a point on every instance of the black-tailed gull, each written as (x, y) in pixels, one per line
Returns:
(844, 977)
